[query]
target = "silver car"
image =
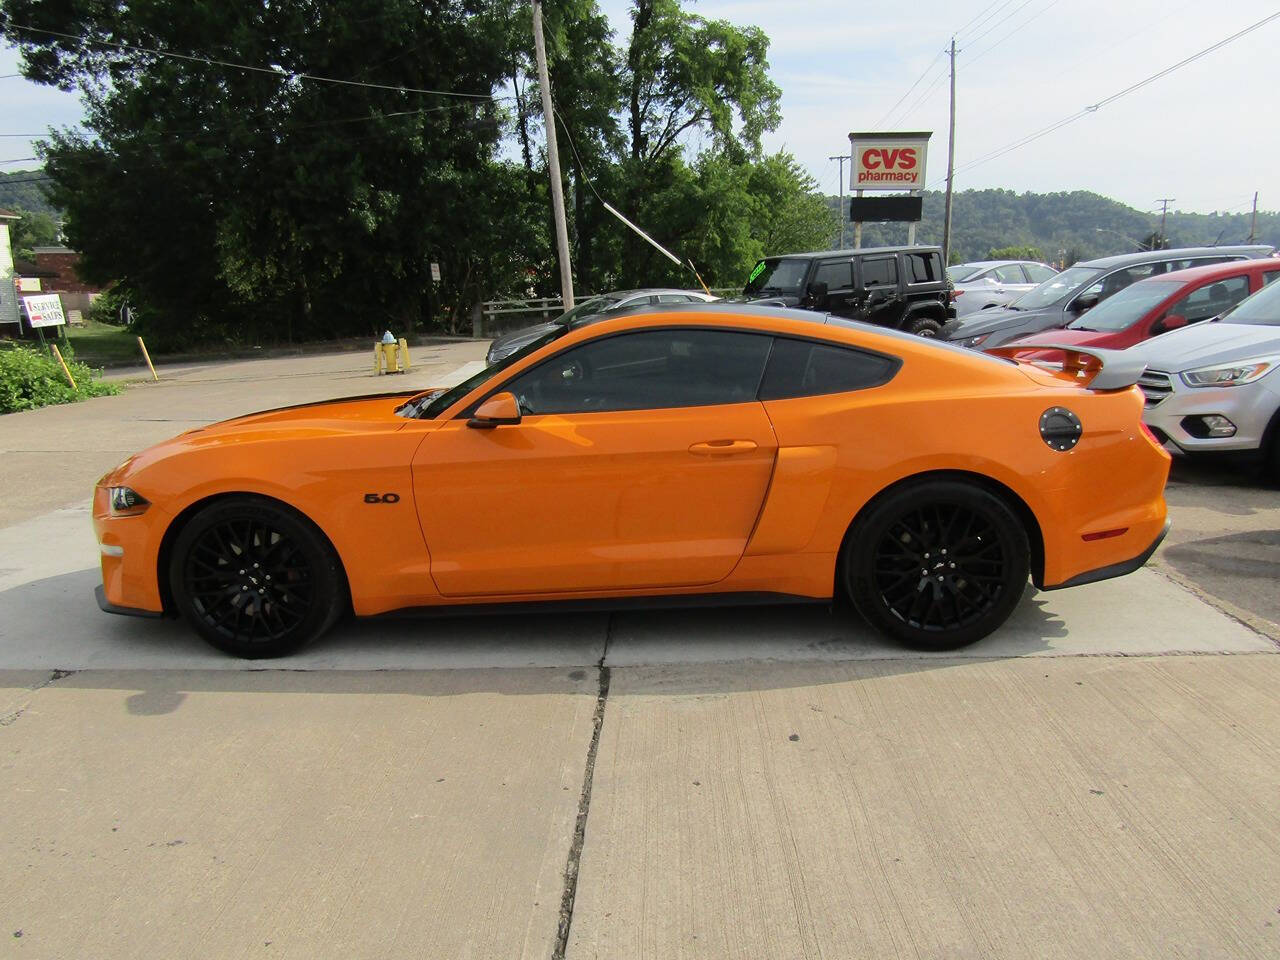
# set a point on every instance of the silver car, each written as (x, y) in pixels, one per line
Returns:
(993, 283)
(1213, 387)
(595, 306)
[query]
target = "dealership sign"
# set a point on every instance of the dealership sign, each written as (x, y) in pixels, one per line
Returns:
(44, 311)
(888, 161)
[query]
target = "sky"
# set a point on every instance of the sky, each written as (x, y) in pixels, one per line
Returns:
(1201, 135)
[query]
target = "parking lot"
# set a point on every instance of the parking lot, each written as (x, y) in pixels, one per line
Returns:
(1100, 778)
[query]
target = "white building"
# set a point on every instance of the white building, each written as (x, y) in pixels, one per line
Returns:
(8, 294)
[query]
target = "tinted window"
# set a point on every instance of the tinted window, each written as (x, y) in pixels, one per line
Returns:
(800, 368)
(1010, 274)
(880, 272)
(646, 371)
(1269, 276)
(922, 267)
(1211, 300)
(836, 274)
(1037, 273)
(776, 276)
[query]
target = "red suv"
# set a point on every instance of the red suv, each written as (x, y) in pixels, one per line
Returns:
(1163, 302)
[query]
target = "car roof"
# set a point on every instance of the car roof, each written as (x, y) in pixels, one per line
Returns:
(643, 292)
(1216, 271)
(1148, 256)
(849, 252)
(986, 264)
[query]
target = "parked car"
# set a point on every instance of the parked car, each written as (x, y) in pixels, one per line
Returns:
(1212, 388)
(1063, 298)
(1165, 302)
(660, 456)
(900, 287)
(993, 283)
(591, 307)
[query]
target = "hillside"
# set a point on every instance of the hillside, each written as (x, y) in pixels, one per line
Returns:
(1062, 225)
(15, 193)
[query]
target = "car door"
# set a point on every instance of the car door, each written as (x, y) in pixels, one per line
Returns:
(842, 296)
(878, 279)
(640, 461)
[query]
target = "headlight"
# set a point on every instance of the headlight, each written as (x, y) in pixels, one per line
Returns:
(126, 500)
(1246, 371)
(975, 341)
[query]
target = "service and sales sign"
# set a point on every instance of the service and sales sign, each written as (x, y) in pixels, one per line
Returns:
(44, 311)
(888, 161)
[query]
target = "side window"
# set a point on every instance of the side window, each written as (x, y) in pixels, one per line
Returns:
(1037, 273)
(673, 298)
(880, 272)
(1211, 300)
(922, 267)
(836, 274)
(801, 368)
(1010, 274)
(1269, 276)
(1113, 283)
(649, 370)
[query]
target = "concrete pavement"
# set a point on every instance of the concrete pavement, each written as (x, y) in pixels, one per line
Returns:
(1099, 778)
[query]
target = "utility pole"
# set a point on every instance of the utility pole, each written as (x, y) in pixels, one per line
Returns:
(842, 158)
(1253, 224)
(553, 160)
(1164, 212)
(951, 164)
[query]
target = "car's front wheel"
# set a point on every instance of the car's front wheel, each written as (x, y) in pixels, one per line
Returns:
(937, 564)
(255, 579)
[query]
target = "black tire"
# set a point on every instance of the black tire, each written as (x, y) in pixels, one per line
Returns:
(1271, 466)
(925, 326)
(936, 564)
(255, 579)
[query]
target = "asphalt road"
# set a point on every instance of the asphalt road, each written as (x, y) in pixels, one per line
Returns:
(1101, 778)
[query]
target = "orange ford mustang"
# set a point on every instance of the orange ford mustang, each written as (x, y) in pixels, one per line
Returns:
(705, 454)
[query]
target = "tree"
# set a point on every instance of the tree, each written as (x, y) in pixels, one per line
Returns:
(33, 229)
(1015, 253)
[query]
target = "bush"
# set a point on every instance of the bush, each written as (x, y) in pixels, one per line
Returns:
(31, 378)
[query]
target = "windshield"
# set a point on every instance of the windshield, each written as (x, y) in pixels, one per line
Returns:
(961, 272)
(444, 401)
(586, 308)
(1261, 310)
(776, 276)
(1127, 307)
(1056, 288)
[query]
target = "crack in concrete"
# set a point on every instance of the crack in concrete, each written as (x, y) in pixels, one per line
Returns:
(54, 677)
(570, 893)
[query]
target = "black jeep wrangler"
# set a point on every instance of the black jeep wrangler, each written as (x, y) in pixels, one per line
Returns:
(900, 287)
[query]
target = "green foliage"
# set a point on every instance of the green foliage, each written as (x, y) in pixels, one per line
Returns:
(25, 190)
(1014, 253)
(34, 229)
(31, 378)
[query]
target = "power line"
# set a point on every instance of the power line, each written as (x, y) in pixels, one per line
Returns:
(936, 57)
(975, 17)
(274, 71)
(999, 23)
(988, 17)
(18, 160)
(1094, 108)
(1035, 16)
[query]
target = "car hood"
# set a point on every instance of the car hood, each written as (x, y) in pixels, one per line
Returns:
(997, 319)
(1205, 344)
(1098, 338)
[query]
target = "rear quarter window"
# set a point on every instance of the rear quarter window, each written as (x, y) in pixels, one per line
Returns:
(802, 368)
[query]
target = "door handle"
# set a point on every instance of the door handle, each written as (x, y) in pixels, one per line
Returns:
(722, 448)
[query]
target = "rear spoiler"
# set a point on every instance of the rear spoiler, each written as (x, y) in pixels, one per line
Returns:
(1098, 368)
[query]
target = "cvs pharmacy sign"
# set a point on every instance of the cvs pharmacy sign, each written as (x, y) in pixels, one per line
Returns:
(888, 161)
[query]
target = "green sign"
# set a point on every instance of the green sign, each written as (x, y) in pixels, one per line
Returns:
(757, 271)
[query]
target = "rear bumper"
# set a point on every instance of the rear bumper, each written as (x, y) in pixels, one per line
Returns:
(1113, 570)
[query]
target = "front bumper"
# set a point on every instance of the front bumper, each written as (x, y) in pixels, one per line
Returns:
(1172, 409)
(106, 606)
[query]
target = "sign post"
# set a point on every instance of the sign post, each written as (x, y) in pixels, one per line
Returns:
(889, 161)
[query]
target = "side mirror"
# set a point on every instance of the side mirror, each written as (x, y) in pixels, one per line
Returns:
(1086, 301)
(502, 409)
(1170, 322)
(818, 292)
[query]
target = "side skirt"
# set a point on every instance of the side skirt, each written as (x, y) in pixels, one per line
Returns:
(605, 605)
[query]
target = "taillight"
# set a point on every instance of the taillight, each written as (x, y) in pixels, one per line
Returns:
(955, 295)
(1155, 441)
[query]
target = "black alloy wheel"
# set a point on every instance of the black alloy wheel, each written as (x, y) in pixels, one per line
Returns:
(254, 579)
(937, 564)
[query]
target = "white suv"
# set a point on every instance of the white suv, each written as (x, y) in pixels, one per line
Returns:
(1213, 387)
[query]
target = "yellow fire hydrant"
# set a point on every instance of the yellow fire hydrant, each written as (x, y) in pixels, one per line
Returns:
(390, 355)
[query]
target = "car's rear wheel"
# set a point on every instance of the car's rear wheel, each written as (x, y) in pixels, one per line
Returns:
(937, 564)
(255, 579)
(926, 327)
